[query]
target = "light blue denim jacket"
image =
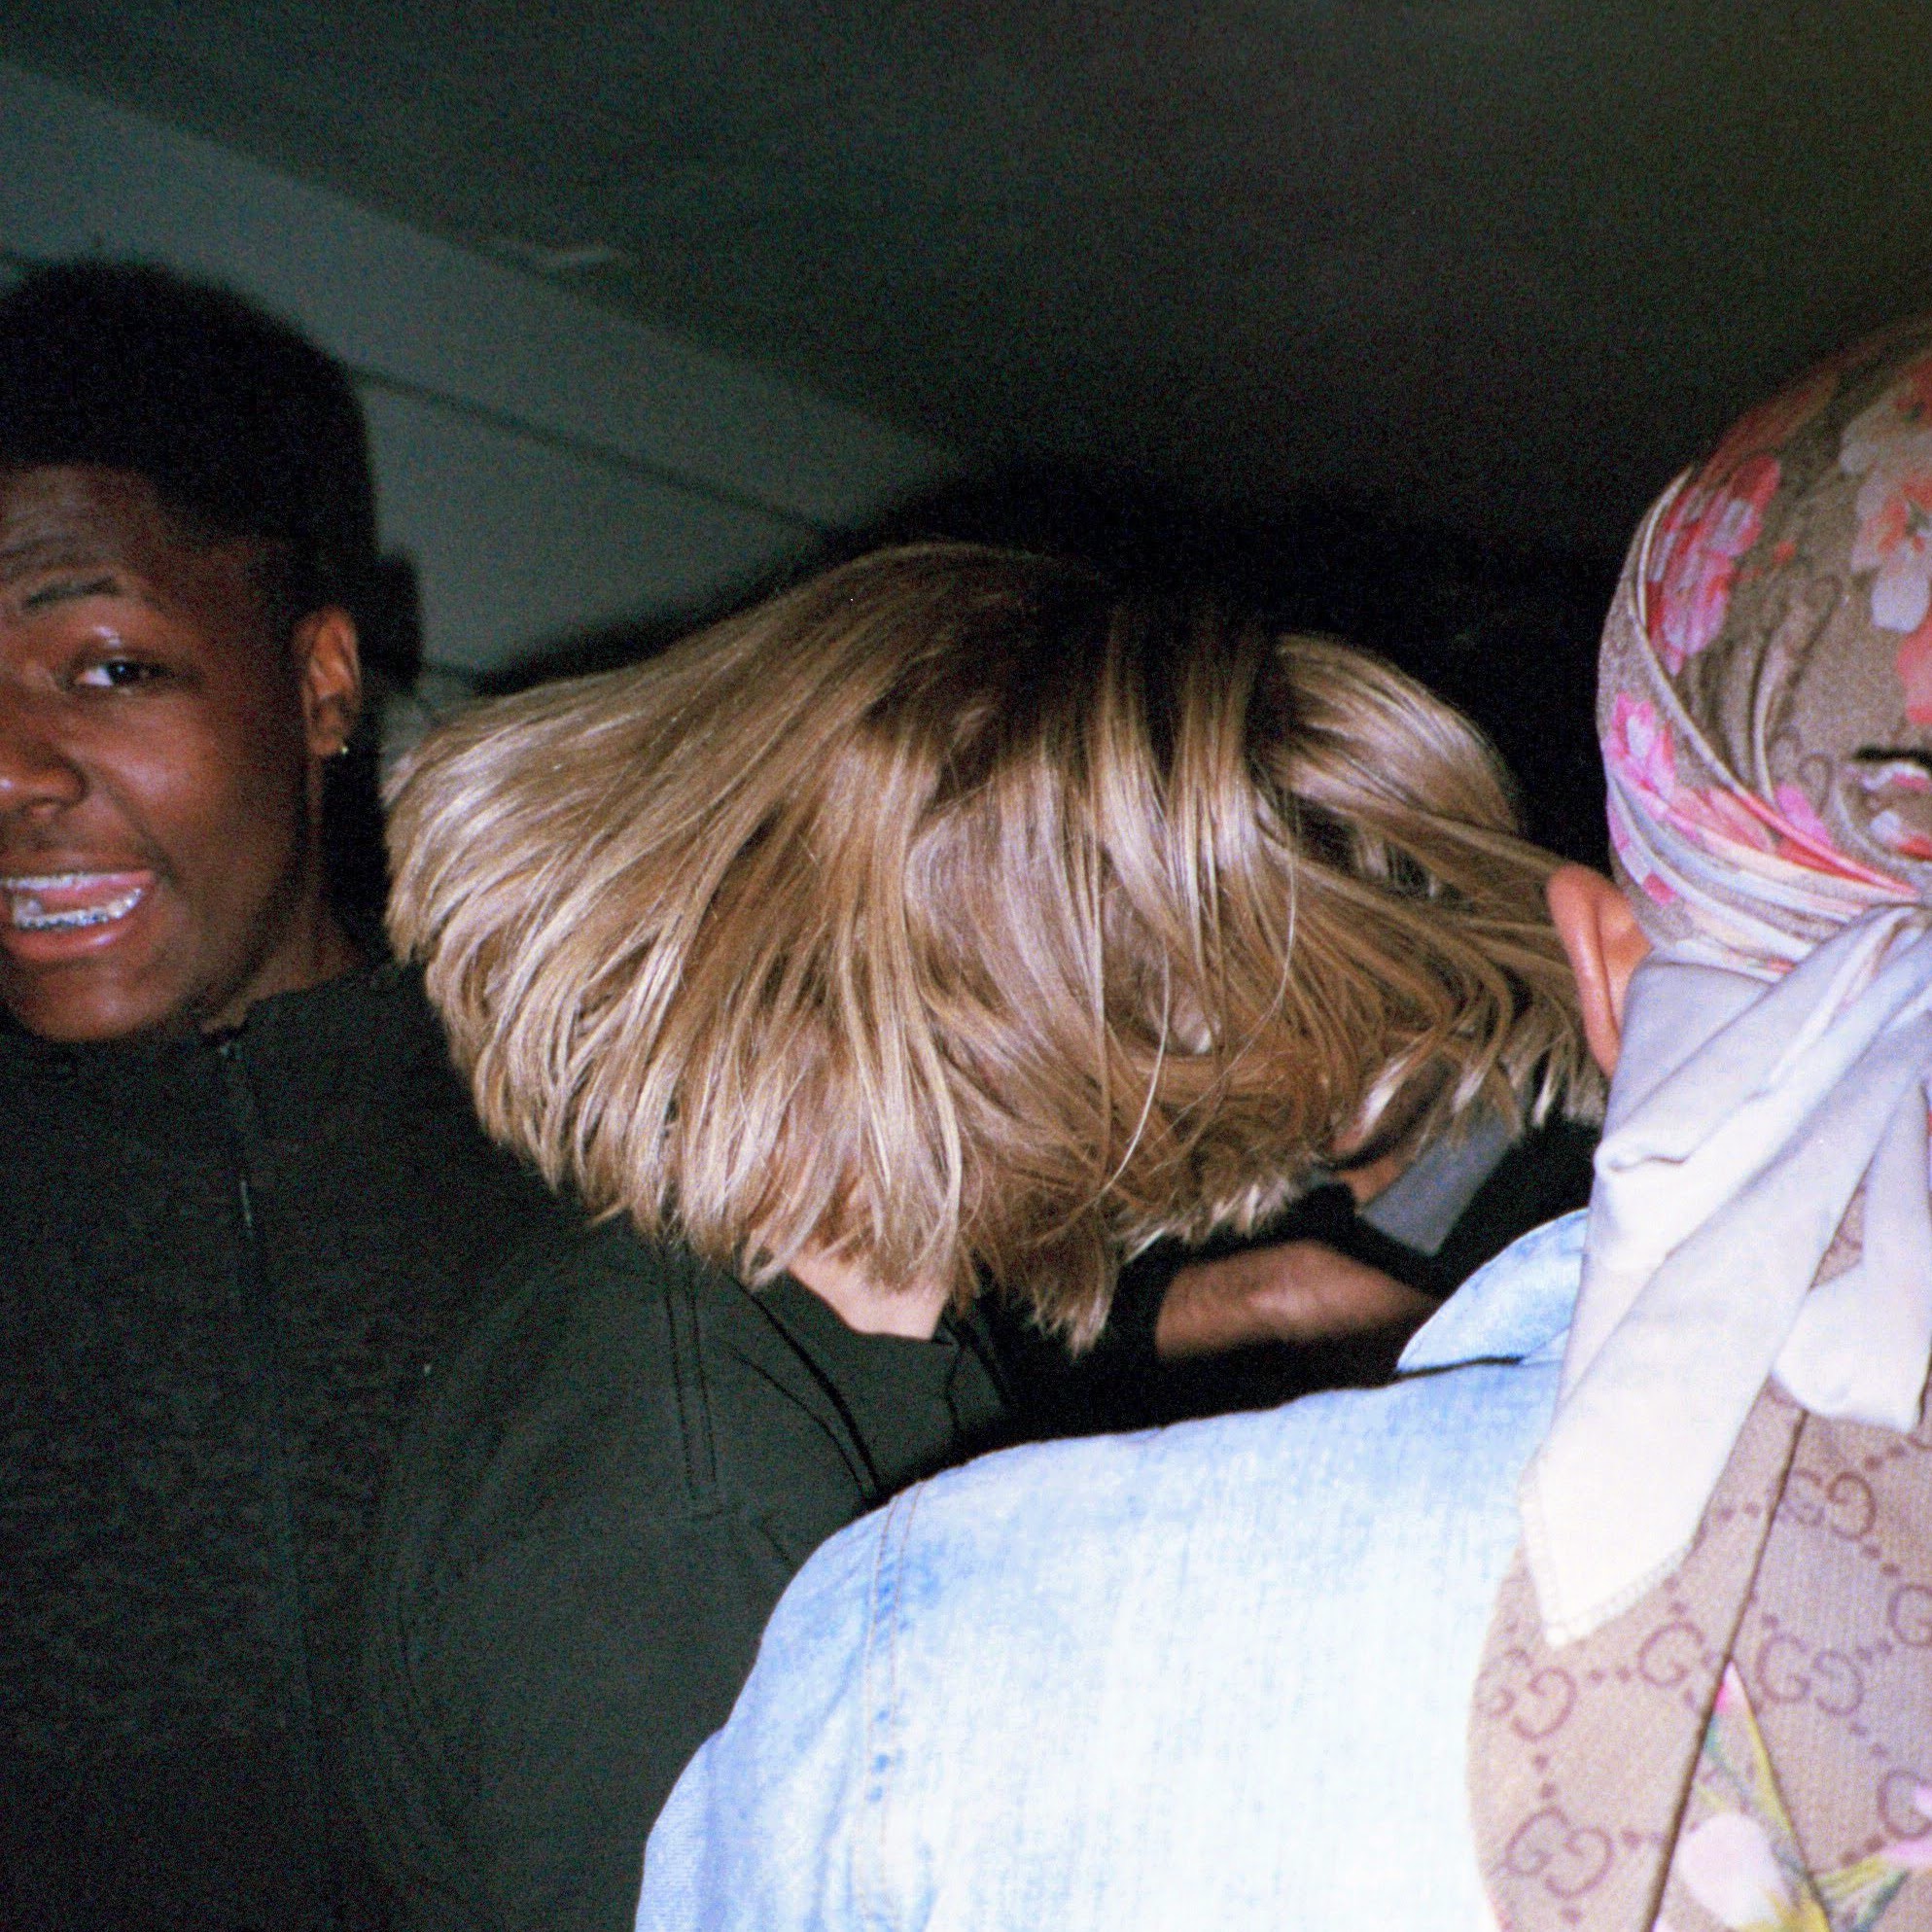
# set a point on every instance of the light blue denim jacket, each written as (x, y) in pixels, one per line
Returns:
(1213, 1676)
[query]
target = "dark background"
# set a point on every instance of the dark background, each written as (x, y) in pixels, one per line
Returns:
(1395, 311)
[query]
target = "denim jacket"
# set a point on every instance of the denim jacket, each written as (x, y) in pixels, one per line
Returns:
(1217, 1675)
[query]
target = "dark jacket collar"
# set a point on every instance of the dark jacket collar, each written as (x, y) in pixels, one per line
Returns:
(367, 1024)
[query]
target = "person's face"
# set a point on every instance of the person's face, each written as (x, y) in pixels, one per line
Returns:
(161, 758)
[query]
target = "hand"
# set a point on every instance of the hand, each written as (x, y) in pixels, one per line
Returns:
(1298, 1292)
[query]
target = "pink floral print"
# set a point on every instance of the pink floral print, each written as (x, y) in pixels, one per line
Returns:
(1694, 568)
(1802, 816)
(1890, 444)
(1703, 539)
(1894, 510)
(1739, 1859)
(1637, 749)
(1639, 756)
(1914, 674)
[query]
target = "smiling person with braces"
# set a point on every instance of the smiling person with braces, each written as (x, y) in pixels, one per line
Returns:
(244, 1196)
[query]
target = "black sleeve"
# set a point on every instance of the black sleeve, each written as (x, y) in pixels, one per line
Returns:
(596, 1509)
(1122, 1382)
(525, 1729)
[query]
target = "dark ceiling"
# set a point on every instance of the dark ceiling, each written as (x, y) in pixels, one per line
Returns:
(1498, 266)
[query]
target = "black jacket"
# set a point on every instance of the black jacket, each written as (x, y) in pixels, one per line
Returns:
(592, 1517)
(228, 1266)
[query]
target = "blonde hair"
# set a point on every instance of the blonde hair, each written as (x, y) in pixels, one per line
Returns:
(960, 914)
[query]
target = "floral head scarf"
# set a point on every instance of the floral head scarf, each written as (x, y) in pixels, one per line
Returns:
(1765, 705)
(1766, 693)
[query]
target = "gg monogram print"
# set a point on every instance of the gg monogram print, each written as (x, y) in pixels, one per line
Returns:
(1616, 1771)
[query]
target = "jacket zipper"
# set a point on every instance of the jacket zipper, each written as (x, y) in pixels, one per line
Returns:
(265, 1384)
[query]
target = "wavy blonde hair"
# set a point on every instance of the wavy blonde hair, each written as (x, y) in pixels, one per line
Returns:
(967, 917)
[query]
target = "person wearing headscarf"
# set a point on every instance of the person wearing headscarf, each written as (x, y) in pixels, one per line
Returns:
(1615, 1611)
(1720, 1633)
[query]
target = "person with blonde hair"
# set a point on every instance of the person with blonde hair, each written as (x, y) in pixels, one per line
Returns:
(1614, 1612)
(952, 918)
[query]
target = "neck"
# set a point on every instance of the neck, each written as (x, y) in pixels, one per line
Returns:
(867, 1305)
(318, 949)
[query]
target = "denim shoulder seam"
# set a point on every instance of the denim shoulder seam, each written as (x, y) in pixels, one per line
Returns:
(881, 1690)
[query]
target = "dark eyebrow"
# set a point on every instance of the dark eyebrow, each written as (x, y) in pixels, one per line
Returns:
(65, 589)
(34, 556)
(50, 570)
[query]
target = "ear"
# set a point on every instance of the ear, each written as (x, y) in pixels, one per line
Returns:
(1605, 945)
(328, 664)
